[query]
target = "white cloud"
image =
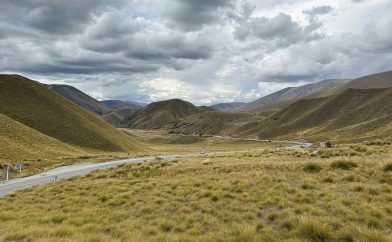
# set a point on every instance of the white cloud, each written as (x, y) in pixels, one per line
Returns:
(134, 50)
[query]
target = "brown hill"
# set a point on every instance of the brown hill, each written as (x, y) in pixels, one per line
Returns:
(211, 123)
(353, 113)
(229, 107)
(80, 98)
(288, 95)
(19, 142)
(159, 114)
(32, 104)
(379, 80)
(117, 116)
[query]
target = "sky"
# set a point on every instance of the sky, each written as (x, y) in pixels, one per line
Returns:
(203, 51)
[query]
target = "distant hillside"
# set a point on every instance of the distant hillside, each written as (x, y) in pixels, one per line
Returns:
(32, 104)
(291, 94)
(114, 104)
(353, 113)
(80, 98)
(379, 80)
(211, 123)
(117, 116)
(158, 114)
(228, 107)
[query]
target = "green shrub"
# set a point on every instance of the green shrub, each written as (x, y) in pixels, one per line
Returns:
(343, 164)
(312, 167)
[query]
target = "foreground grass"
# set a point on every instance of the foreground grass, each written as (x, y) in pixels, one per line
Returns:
(267, 196)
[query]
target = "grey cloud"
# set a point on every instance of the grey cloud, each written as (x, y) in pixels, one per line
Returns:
(281, 29)
(55, 16)
(193, 15)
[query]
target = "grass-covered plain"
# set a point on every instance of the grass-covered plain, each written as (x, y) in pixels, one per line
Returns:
(265, 196)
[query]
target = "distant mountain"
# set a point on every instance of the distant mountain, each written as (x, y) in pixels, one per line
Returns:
(351, 114)
(291, 94)
(229, 107)
(379, 80)
(211, 123)
(80, 98)
(158, 114)
(117, 116)
(37, 110)
(114, 104)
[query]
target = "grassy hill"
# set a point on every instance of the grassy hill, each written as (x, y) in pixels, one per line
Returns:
(114, 104)
(211, 123)
(379, 80)
(353, 113)
(228, 107)
(32, 104)
(117, 116)
(280, 98)
(80, 98)
(159, 114)
(19, 142)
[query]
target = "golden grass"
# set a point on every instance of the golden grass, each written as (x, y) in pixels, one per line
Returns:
(161, 142)
(32, 104)
(258, 196)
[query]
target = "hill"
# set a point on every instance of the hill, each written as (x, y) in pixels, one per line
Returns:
(117, 116)
(159, 114)
(211, 123)
(379, 80)
(288, 95)
(353, 113)
(32, 104)
(80, 98)
(19, 142)
(228, 107)
(114, 104)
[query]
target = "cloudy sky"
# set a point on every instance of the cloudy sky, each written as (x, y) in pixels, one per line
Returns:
(204, 51)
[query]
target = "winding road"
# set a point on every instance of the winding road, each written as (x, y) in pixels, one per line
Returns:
(65, 172)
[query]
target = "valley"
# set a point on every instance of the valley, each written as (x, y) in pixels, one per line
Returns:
(227, 172)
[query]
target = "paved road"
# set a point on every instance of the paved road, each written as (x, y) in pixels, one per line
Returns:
(75, 170)
(80, 169)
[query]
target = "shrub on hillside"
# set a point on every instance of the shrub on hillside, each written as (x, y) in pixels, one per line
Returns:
(343, 164)
(312, 167)
(388, 167)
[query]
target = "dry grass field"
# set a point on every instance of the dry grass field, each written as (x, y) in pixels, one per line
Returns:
(338, 194)
(161, 142)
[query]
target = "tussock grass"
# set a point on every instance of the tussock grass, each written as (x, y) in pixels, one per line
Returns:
(312, 167)
(388, 167)
(222, 198)
(343, 164)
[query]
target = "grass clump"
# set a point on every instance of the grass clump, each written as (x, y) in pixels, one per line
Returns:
(314, 231)
(312, 167)
(388, 167)
(344, 164)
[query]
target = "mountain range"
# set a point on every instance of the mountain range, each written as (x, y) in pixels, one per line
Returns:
(59, 119)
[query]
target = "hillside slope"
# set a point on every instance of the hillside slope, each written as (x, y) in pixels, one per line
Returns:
(117, 116)
(211, 123)
(159, 114)
(228, 107)
(292, 94)
(37, 107)
(19, 142)
(353, 113)
(80, 98)
(378, 80)
(114, 104)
